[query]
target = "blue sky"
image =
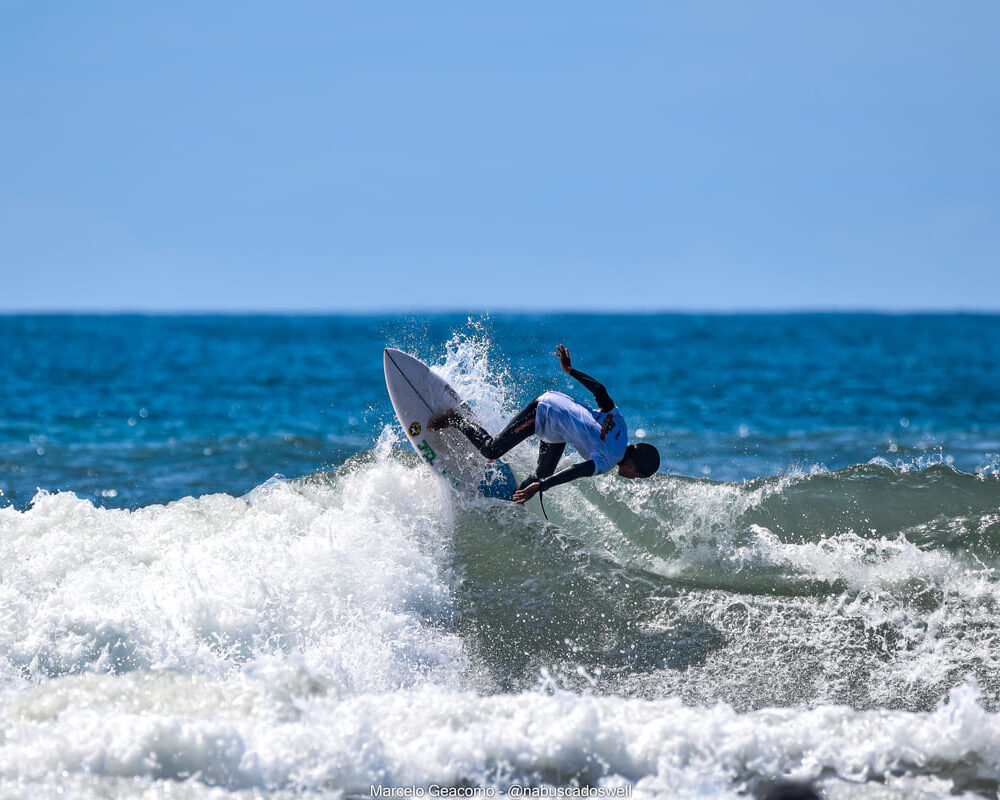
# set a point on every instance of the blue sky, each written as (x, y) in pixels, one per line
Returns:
(371, 156)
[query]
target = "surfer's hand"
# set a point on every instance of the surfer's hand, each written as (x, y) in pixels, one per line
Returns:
(525, 494)
(563, 354)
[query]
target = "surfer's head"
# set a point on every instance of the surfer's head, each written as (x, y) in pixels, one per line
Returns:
(640, 461)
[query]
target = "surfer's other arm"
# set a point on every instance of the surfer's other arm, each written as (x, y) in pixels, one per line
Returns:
(596, 388)
(585, 469)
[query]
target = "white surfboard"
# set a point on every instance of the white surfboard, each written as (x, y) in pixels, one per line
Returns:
(418, 395)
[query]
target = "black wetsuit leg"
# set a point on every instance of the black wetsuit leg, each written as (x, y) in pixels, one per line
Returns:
(517, 430)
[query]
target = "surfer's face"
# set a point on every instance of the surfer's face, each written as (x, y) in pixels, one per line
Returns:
(626, 469)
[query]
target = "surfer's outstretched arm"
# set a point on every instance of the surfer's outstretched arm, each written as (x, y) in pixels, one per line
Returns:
(585, 469)
(596, 388)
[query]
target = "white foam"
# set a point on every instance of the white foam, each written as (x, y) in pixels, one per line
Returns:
(476, 374)
(347, 576)
(257, 731)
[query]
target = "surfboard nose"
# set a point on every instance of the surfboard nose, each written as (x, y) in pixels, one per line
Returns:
(387, 363)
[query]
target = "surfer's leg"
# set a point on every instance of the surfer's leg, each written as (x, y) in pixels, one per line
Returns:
(517, 430)
(549, 454)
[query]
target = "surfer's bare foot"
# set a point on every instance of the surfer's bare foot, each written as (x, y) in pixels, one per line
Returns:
(445, 420)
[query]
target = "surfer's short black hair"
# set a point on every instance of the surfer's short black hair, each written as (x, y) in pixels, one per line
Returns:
(646, 459)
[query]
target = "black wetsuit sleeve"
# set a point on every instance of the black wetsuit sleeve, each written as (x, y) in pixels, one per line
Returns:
(596, 388)
(582, 470)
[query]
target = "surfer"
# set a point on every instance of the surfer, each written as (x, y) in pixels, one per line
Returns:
(599, 435)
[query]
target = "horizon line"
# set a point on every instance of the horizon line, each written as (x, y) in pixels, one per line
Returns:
(454, 310)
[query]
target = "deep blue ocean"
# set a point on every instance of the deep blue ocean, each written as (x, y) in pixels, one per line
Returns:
(224, 573)
(132, 410)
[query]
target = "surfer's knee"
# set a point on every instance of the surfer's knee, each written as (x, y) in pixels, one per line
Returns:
(492, 449)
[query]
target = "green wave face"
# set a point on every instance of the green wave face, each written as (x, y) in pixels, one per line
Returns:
(869, 586)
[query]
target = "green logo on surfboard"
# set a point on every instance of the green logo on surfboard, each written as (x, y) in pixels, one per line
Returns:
(428, 452)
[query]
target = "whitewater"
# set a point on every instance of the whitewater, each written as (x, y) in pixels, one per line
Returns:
(363, 626)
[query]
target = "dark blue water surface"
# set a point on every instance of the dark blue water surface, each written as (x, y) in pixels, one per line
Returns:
(130, 410)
